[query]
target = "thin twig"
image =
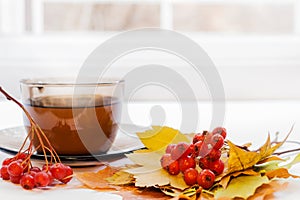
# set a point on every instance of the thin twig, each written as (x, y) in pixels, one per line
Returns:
(35, 130)
(287, 151)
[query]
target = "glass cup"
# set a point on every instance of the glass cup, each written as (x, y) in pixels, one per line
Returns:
(77, 118)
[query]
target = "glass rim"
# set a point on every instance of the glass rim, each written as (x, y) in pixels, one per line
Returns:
(70, 81)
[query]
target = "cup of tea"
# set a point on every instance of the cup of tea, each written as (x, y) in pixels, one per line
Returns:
(77, 117)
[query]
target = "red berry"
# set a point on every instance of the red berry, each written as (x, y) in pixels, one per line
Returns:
(68, 177)
(221, 131)
(170, 147)
(32, 173)
(166, 160)
(208, 138)
(204, 163)
(7, 161)
(217, 141)
(35, 169)
(25, 167)
(190, 150)
(201, 149)
(15, 168)
(198, 137)
(21, 156)
(58, 171)
(206, 178)
(41, 179)
(46, 167)
(181, 149)
(214, 155)
(197, 147)
(15, 179)
(186, 163)
(27, 182)
(190, 176)
(4, 173)
(173, 168)
(217, 167)
(51, 179)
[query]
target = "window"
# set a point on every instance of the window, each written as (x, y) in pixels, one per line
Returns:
(221, 16)
(252, 39)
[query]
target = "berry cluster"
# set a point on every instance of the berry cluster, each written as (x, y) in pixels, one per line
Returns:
(19, 170)
(205, 151)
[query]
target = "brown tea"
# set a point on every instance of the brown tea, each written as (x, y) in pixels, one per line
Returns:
(76, 126)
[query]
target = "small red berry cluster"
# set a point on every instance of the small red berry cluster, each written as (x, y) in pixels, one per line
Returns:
(19, 170)
(204, 151)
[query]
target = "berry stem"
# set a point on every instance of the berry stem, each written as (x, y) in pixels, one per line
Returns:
(35, 130)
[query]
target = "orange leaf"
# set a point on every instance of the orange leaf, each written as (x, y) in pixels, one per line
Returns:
(266, 191)
(280, 173)
(97, 180)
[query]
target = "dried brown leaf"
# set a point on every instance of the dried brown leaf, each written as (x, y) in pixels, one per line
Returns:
(132, 192)
(266, 191)
(121, 178)
(280, 173)
(97, 180)
(240, 159)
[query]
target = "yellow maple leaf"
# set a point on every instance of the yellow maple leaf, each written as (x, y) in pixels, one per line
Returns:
(150, 172)
(240, 159)
(158, 138)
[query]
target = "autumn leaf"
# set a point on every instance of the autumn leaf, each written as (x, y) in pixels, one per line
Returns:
(276, 165)
(280, 173)
(150, 172)
(293, 162)
(242, 186)
(158, 138)
(269, 159)
(97, 180)
(269, 166)
(193, 193)
(266, 191)
(240, 159)
(121, 178)
(225, 180)
(267, 150)
(148, 161)
(159, 178)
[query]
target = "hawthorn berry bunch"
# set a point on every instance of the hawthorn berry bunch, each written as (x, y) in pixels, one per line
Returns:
(19, 169)
(204, 151)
